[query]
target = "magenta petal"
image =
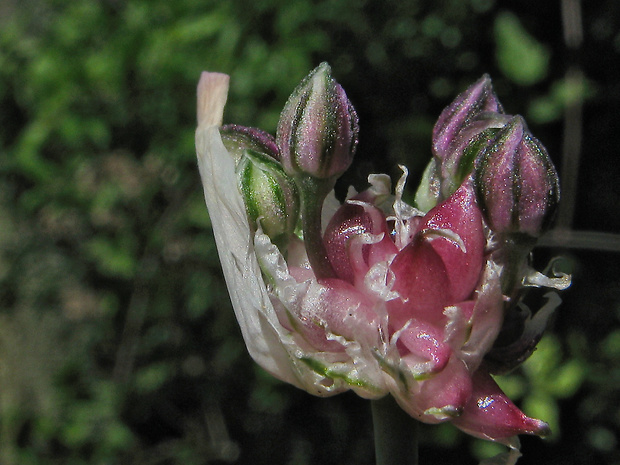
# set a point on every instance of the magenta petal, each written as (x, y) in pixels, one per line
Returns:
(349, 256)
(489, 414)
(348, 222)
(444, 395)
(460, 215)
(423, 344)
(422, 282)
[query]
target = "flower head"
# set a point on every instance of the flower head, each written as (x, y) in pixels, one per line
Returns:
(401, 300)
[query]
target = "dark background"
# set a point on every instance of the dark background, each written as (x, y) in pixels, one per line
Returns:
(117, 339)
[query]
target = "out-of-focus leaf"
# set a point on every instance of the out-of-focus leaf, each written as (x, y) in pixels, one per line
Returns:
(520, 56)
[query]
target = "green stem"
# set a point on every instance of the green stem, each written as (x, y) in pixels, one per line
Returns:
(396, 434)
(312, 197)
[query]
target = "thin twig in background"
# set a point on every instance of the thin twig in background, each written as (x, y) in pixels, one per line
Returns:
(573, 112)
(563, 236)
(588, 240)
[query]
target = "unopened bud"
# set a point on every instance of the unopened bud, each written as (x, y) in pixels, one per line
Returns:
(318, 129)
(474, 114)
(270, 196)
(238, 139)
(516, 183)
(466, 108)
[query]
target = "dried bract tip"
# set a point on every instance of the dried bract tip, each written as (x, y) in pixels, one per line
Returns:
(212, 94)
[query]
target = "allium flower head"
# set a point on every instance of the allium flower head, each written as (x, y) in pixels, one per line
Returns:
(400, 300)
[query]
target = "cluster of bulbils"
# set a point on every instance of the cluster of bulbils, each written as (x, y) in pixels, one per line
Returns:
(423, 301)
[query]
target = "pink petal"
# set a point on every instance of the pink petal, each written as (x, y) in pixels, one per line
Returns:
(349, 221)
(351, 257)
(422, 282)
(461, 215)
(458, 326)
(423, 344)
(489, 414)
(486, 320)
(442, 396)
(332, 309)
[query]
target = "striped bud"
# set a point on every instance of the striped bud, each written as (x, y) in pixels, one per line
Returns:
(516, 183)
(270, 196)
(466, 108)
(474, 114)
(318, 129)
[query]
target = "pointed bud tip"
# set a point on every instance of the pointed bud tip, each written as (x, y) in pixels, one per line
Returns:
(483, 84)
(323, 67)
(542, 429)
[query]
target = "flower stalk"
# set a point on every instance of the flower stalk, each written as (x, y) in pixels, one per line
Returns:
(395, 432)
(312, 197)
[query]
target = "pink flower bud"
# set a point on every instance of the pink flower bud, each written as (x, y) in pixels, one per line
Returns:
(466, 108)
(516, 183)
(318, 129)
(462, 129)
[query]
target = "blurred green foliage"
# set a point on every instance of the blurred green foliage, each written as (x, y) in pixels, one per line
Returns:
(520, 56)
(117, 340)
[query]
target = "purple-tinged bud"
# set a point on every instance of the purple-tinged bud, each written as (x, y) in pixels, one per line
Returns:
(474, 139)
(270, 196)
(516, 183)
(474, 114)
(468, 106)
(238, 139)
(318, 129)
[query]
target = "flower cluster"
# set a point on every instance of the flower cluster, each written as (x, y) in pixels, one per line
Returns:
(424, 301)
